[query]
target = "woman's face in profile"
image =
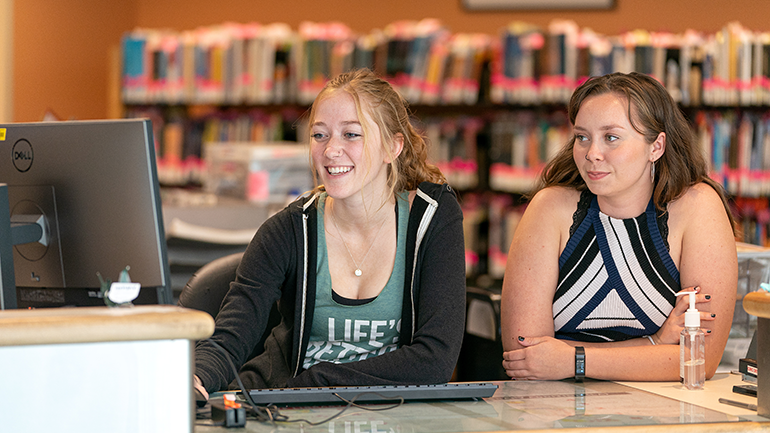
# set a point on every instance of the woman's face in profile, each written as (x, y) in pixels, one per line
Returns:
(612, 157)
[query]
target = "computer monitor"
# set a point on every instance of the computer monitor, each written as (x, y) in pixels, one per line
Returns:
(95, 184)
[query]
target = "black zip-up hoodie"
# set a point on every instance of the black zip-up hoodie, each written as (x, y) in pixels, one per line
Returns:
(280, 265)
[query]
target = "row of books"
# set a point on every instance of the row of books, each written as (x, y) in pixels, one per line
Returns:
(489, 221)
(274, 64)
(504, 216)
(737, 144)
(453, 148)
(523, 64)
(207, 65)
(728, 68)
(753, 219)
(180, 138)
(520, 142)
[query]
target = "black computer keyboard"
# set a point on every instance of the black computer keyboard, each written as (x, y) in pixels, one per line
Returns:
(369, 394)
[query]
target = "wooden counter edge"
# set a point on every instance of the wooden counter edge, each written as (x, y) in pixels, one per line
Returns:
(102, 324)
(757, 304)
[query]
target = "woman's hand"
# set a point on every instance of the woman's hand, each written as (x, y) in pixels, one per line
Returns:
(672, 327)
(542, 358)
(198, 385)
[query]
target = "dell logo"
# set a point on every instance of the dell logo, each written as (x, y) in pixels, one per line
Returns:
(22, 155)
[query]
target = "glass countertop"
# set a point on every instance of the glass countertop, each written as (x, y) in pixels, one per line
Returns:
(516, 405)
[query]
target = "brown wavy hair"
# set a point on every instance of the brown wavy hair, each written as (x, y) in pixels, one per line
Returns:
(390, 111)
(651, 110)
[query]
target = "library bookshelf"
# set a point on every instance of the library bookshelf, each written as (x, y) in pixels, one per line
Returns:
(492, 106)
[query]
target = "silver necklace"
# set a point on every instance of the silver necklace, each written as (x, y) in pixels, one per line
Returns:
(358, 271)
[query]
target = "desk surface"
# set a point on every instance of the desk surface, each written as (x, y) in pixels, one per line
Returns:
(523, 405)
(720, 386)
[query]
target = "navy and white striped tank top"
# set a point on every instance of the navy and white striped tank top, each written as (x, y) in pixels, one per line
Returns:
(616, 278)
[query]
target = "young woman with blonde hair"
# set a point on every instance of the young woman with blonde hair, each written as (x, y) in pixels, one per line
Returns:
(368, 269)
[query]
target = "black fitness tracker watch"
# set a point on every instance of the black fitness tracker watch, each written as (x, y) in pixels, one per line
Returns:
(580, 364)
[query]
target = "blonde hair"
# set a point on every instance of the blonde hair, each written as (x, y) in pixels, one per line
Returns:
(390, 111)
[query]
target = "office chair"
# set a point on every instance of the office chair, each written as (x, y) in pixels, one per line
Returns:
(208, 286)
(481, 355)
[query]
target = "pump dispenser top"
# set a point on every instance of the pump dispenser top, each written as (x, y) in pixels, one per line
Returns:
(692, 315)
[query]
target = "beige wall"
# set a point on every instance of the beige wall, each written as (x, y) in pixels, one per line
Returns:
(61, 49)
(61, 53)
(363, 15)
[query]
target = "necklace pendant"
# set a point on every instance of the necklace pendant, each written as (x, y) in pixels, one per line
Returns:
(358, 272)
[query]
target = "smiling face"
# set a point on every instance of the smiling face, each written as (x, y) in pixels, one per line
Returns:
(614, 159)
(347, 164)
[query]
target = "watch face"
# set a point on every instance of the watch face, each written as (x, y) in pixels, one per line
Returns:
(580, 363)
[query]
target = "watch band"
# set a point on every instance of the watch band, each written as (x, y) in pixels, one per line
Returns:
(580, 363)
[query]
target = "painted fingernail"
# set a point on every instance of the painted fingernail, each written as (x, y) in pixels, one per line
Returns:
(708, 331)
(708, 296)
(713, 315)
(521, 338)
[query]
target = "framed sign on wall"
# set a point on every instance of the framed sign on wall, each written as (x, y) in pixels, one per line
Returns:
(537, 4)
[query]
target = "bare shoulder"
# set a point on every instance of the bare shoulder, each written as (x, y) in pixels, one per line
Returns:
(548, 217)
(557, 196)
(555, 201)
(698, 219)
(699, 201)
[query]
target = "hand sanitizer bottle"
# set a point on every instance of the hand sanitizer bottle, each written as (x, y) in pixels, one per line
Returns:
(692, 348)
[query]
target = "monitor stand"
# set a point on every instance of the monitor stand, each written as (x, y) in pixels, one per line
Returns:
(7, 277)
(22, 230)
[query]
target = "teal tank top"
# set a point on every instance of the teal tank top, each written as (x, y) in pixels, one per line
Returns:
(345, 333)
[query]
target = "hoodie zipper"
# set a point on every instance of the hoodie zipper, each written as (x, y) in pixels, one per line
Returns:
(425, 221)
(304, 283)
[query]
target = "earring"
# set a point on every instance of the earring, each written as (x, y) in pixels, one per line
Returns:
(652, 172)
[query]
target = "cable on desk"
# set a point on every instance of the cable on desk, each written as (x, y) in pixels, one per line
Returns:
(271, 413)
(262, 413)
(351, 403)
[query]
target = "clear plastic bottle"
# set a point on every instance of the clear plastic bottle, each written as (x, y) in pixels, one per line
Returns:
(692, 348)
